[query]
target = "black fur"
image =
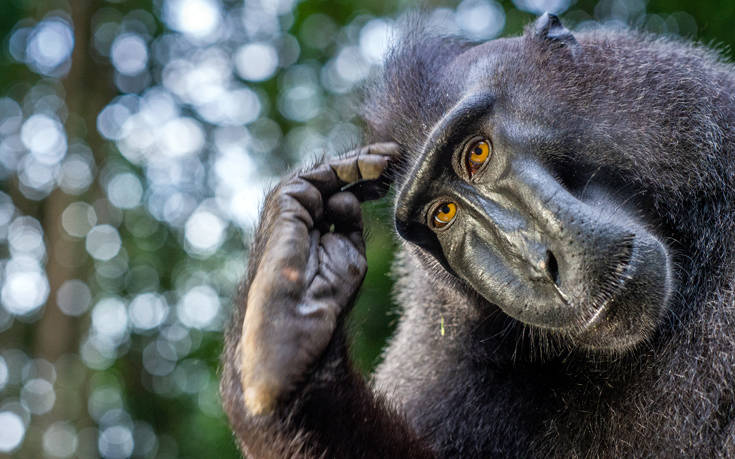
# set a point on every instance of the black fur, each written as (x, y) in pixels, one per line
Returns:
(660, 120)
(650, 119)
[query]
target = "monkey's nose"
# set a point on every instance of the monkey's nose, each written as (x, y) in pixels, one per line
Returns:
(542, 263)
(551, 267)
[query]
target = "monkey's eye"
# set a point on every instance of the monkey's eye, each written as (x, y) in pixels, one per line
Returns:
(444, 214)
(477, 154)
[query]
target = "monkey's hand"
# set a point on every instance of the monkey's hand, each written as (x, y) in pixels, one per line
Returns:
(311, 265)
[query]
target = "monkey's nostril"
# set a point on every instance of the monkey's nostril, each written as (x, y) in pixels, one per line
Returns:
(552, 267)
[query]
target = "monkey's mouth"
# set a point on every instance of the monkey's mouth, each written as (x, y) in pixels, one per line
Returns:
(631, 303)
(610, 289)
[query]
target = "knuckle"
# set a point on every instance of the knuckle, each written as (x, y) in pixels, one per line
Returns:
(300, 197)
(344, 204)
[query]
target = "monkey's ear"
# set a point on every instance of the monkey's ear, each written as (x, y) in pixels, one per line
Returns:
(548, 28)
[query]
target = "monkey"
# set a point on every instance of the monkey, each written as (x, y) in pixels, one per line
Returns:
(565, 211)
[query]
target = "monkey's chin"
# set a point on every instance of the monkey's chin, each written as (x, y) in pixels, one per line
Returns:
(634, 310)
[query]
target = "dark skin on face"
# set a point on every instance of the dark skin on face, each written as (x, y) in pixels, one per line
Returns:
(570, 261)
(565, 258)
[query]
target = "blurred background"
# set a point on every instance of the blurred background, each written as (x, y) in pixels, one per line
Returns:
(137, 139)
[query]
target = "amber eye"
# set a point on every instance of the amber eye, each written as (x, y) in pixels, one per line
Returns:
(444, 214)
(477, 154)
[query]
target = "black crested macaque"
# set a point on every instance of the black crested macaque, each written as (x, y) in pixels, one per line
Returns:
(566, 210)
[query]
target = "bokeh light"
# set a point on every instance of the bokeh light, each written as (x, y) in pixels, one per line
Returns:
(480, 19)
(148, 311)
(110, 319)
(60, 440)
(195, 18)
(125, 191)
(199, 307)
(3, 373)
(25, 286)
(116, 442)
(46, 48)
(205, 232)
(12, 431)
(38, 396)
(78, 218)
(45, 138)
(256, 61)
(73, 297)
(542, 6)
(103, 242)
(129, 54)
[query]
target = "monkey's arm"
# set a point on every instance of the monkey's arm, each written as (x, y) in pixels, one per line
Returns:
(287, 384)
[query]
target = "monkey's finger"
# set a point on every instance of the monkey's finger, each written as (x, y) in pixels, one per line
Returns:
(343, 210)
(342, 267)
(323, 178)
(365, 166)
(360, 167)
(294, 211)
(391, 149)
(301, 199)
(365, 176)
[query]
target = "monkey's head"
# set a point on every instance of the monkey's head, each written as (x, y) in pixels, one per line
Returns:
(548, 172)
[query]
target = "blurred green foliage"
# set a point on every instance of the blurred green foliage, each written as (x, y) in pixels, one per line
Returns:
(137, 138)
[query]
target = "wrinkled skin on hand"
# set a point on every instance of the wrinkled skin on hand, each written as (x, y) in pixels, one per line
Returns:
(311, 267)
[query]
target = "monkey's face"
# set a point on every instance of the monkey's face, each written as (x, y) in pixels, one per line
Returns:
(485, 198)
